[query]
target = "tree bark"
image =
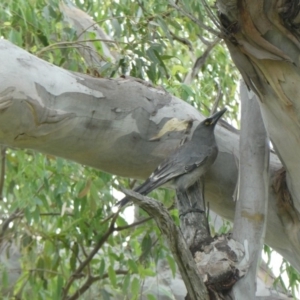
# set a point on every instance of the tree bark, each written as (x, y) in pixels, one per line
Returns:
(263, 38)
(193, 219)
(177, 244)
(124, 127)
(252, 200)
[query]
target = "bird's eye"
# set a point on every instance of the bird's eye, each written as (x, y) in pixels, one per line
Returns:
(207, 123)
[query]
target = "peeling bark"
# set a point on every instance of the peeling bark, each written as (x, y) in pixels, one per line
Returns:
(193, 219)
(263, 38)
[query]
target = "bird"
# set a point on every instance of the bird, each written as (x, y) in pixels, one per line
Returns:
(187, 163)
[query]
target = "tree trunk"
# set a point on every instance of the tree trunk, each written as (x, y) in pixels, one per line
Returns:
(124, 127)
(252, 200)
(263, 38)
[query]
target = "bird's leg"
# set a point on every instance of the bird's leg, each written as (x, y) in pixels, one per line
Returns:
(184, 203)
(193, 221)
(191, 200)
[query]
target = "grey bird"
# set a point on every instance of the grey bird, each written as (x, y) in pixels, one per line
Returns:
(187, 163)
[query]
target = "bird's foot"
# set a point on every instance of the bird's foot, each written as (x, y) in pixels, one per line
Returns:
(191, 210)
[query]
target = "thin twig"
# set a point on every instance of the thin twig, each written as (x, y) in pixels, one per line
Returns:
(76, 42)
(97, 23)
(83, 250)
(18, 213)
(42, 185)
(90, 280)
(141, 5)
(120, 228)
(212, 16)
(43, 270)
(6, 222)
(204, 40)
(200, 61)
(107, 219)
(194, 19)
(217, 100)
(2, 174)
(95, 250)
(55, 214)
(182, 40)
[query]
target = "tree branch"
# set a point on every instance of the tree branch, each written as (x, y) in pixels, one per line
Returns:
(120, 228)
(135, 154)
(96, 248)
(200, 61)
(194, 19)
(176, 242)
(2, 173)
(251, 210)
(90, 280)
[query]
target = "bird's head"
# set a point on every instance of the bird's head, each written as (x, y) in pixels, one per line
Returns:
(212, 121)
(206, 127)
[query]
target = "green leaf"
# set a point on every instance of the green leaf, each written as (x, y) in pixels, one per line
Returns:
(59, 286)
(178, 68)
(165, 28)
(15, 37)
(151, 72)
(172, 264)
(126, 283)
(151, 297)
(40, 267)
(5, 280)
(152, 56)
(175, 24)
(105, 295)
(145, 272)
(135, 287)
(133, 266)
(102, 267)
(117, 28)
(112, 276)
(146, 244)
(73, 259)
(161, 63)
(55, 264)
(166, 57)
(121, 221)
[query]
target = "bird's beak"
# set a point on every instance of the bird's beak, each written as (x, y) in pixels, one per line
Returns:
(215, 118)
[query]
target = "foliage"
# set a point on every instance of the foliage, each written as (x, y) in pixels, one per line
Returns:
(59, 222)
(60, 213)
(154, 41)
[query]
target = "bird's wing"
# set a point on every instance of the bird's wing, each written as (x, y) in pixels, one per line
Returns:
(174, 167)
(166, 171)
(195, 163)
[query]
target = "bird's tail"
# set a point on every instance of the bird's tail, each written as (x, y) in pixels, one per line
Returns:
(143, 189)
(123, 202)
